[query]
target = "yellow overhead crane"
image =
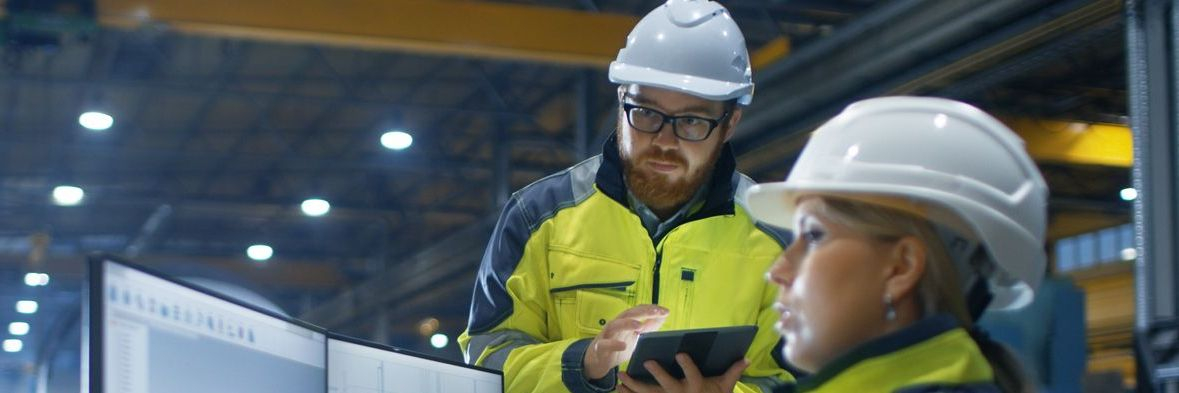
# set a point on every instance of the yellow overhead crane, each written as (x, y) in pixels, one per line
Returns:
(458, 28)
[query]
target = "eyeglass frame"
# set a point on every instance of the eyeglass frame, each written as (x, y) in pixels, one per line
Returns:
(669, 119)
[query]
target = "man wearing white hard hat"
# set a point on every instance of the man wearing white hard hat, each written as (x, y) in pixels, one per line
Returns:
(649, 235)
(913, 216)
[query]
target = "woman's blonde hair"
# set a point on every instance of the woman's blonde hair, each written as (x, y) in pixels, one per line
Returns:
(940, 289)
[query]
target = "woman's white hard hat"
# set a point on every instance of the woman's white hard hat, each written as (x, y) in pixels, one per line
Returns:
(933, 151)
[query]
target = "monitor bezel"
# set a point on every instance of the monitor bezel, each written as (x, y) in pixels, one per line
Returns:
(92, 363)
(375, 345)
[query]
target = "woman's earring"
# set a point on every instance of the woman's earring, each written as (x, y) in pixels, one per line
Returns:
(890, 312)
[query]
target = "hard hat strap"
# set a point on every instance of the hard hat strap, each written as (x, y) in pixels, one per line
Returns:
(973, 264)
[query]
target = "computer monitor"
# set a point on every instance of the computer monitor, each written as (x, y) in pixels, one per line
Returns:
(146, 332)
(359, 366)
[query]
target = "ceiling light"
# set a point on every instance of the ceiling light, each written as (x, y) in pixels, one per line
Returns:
(439, 340)
(68, 195)
(259, 252)
(13, 345)
(18, 328)
(396, 140)
(1129, 194)
(26, 306)
(96, 121)
(36, 279)
(316, 207)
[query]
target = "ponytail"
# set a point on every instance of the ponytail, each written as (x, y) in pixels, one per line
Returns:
(1008, 370)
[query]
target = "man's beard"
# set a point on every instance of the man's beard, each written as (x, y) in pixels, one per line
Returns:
(655, 189)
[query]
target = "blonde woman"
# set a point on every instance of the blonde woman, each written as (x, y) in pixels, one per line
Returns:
(911, 217)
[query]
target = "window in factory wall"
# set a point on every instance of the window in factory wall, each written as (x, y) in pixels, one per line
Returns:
(1097, 248)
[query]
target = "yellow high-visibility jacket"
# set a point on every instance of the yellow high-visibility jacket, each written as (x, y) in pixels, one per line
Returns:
(932, 356)
(568, 255)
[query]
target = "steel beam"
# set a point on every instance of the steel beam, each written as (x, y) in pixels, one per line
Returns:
(1152, 85)
(147, 233)
(457, 28)
(1075, 143)
(306, 275)
(1152, 28)
(884, 50)
(583, 114)
(468, 29)
(152, 161)
(11, 82)
(261, 121)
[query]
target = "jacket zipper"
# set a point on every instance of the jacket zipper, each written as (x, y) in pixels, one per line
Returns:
(655, 280)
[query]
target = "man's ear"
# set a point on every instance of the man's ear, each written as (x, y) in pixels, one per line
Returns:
(731, 122)
(906, 267)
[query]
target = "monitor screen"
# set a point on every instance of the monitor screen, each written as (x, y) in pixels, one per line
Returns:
(148, 333)
(358, 366)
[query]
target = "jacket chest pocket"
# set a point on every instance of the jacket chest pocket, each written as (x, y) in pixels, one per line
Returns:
(712, 288)
(588, 291)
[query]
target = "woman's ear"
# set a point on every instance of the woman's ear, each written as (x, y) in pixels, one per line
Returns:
(906, 268)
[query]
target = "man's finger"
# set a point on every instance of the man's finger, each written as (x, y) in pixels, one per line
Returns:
(730, 378)
(637, 386)
(691, 372)
(643, 311)
(634, 385)
(651, 324)
(665, 380)
(619, 326)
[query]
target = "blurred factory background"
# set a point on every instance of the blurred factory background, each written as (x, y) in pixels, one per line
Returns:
(347, 159)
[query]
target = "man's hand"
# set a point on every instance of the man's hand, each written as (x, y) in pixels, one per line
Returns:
(693, 381)
(615, 343)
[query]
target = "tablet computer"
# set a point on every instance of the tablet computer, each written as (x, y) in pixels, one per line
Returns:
(713, 350)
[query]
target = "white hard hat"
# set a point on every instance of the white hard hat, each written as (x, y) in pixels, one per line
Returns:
(937, 152)
(692, 46)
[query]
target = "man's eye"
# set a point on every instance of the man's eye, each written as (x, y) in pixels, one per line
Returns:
(644, 112)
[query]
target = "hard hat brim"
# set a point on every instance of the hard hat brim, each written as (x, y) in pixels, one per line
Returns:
(709, 89)
(772, 203)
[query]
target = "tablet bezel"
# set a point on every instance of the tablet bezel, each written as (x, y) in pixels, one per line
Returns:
(727, 346)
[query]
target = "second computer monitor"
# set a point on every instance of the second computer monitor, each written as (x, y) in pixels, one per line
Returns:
(359, 366)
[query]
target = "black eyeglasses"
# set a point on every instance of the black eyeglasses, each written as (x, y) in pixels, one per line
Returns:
(688, 128)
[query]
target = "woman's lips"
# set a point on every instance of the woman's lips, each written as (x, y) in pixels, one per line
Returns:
(785, 317)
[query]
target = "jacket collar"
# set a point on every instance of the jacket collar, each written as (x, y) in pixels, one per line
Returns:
(717, 201)
(938, 342)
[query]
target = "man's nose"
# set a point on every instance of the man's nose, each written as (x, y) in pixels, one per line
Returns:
(666, 135)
